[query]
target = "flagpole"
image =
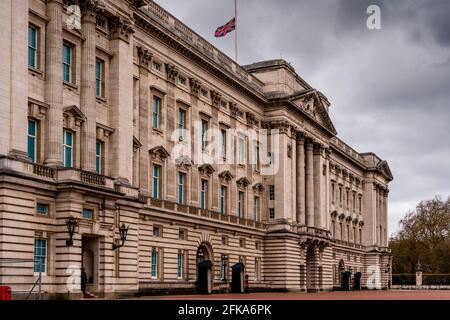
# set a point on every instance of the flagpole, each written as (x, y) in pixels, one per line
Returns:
(235, 32)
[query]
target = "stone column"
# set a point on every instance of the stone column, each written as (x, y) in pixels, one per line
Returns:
(300, 191)
(385, 215)
(144, 58)
(87, 94)
(54, 84)
(317, 163)
(121, 98)
(16, 80)
(309, 206)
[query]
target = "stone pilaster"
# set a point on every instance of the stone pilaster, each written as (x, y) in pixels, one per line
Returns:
(89, 8)
(121, 99)
(317, 163)
(300, 167)
(145, 58)
(309, 207)
(54, 84)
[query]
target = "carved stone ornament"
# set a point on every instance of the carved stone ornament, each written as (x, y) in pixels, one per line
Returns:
(308, 105)
(251, 120)
(216, 98)
(235, 111)
(121, 28)
(159, 153)
(145, 57)
(172, 72)
(90, 9)
(195, 86)
(243, 182)
(225, 176)
(206, 170)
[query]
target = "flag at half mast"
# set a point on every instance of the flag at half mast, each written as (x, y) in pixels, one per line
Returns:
(226, 28)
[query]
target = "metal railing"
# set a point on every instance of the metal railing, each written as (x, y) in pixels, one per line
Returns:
(38, 282)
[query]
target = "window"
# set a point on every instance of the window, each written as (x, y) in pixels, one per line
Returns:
(181, 181)
(341, 231)
(360, 236)
(256, 269)
(204, 93)
(42, 208)
(223, 267)
(157, 231)
(256, 208)
(156, 181)
(340, 195)
(256, 161)
(88, 213)
(354, 235)
(257, 245)
(224, 240)
(204, 131)
(242, 243)
(67, 148)
(98, 157)
(241, 150)
(360, 204)
(67, 63)
(223, 199)
(99, 78)
(332, 192)
(271, 192)
(204, 194)
(182, 234)
(181, 123)
(223, 143)
(354, 201)
(180, 266)
(32, 140)
(32, 47)
(155, 264)
(241, 204)
(347, 198)
(333, 224)
(156, 66)
(40, 255)
(271, 213)
(182, 81)
(156, 112)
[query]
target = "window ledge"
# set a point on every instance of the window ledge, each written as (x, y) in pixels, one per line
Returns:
(70, 86)
(101, 99)
(158, 130)
(35, 72)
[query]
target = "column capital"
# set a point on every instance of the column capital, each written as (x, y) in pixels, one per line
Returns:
(145, 56)
(309, 144)
(195, 86)
(300, 137)
(172, 72)
(121, 28)
(90, 9)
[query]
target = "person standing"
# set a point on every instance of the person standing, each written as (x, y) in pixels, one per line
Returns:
(246, 285)
(84, 280)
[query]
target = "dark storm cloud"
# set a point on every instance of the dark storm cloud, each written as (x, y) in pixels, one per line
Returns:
(389, 88)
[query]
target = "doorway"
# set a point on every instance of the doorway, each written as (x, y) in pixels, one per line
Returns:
(204, 270)
(89, 261)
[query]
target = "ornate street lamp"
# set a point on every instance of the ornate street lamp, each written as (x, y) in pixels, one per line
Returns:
(71, 223)
(123, 236)
(200, 256)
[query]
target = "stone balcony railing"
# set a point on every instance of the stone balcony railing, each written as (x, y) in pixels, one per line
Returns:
(209, 214)
(349, 244)
(346, 149)
(314, 232)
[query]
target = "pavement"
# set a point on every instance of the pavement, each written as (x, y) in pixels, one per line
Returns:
(337, 295)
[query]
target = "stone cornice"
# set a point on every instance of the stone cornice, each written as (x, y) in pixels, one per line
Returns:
(160, 31)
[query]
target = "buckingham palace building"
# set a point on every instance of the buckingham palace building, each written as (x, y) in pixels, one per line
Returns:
(134, 151)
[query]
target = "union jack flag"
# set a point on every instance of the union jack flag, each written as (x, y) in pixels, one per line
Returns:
(223, 30)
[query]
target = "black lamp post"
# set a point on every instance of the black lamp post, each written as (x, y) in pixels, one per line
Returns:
(224, 266)
(388, 268)
(200, 256)
(71, 223)
(123, 236)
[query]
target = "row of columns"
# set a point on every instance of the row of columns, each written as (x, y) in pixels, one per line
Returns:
(381, 195)
(311, 185)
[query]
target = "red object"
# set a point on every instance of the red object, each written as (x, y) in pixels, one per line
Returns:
(223, 30)
(5, 293)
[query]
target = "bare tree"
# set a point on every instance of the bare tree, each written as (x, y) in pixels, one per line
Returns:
(424, 236)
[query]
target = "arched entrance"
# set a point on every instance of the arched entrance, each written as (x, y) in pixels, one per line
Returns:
(311, 269)
(204, 268)
(237, 279)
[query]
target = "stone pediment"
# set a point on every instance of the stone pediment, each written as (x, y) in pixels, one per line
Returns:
(384, 169)
(160, 152)
(258, 188)
(225, 176)
(184, 161)
(243, 182)
(206, 169)
(75, 112)
(310, 102)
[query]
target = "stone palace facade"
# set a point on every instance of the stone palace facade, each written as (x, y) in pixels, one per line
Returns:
(92, 92)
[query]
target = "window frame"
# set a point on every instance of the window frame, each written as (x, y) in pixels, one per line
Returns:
(99, 157)
(154, 261)
(156, 115)
(241, 204)
(100, 79)
(35, 139)
(223, 199)
(181, 188)
(45, 256)
(67, 146)
(35, 49)
(69, 64)
(204, 190)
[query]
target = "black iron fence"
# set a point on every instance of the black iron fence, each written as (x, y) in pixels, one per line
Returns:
(428, 279)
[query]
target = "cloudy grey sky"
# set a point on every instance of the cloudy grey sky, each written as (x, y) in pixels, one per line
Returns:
(389, 88)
